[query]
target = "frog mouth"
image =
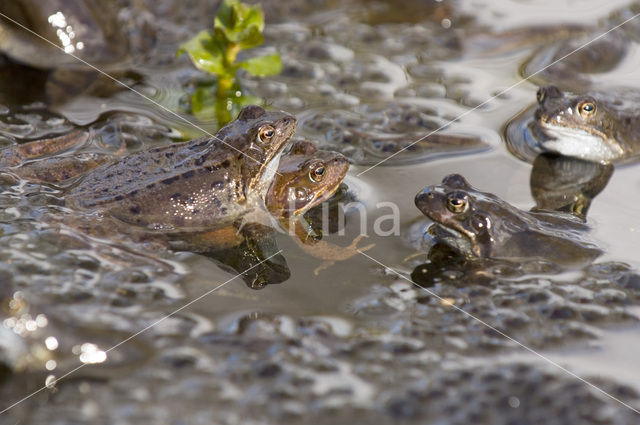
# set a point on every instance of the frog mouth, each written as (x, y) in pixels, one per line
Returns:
(580, 143)
(318, 199)
(451, 237)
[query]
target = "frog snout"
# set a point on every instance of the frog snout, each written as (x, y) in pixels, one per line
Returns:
(425, 197)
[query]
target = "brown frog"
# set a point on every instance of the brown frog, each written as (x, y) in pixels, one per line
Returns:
(201, 184)
(590, 127)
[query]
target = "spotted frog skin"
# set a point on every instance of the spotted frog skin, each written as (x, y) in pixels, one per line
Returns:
(587, 127)
(201, 184)
(479, 224)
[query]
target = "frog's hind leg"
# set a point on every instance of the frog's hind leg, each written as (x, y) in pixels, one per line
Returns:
(22, 160)
(16, 154)
(59, 169)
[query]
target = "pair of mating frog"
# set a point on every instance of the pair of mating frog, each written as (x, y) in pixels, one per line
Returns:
(208, 187)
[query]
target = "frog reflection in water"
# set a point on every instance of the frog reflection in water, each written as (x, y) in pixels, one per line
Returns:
(480, 224)
(588, 127)
(562, 183)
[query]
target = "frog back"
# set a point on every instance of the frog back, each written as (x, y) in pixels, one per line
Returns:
(185, 184)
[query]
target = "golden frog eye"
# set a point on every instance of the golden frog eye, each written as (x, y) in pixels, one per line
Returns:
(317, 173)
(266, 133)
(457, 202)
(586, 108)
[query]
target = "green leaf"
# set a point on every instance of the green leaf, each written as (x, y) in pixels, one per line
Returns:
(226, 15)
(251, 38)
(262, 66)
(206, 53)
(240, 23)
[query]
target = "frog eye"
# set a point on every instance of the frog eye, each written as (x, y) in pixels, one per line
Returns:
(540, 95)
(457, 202)
(317, 172)
(266, 133)
(586, 108)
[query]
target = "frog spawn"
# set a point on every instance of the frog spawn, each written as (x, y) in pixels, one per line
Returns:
(287, 363)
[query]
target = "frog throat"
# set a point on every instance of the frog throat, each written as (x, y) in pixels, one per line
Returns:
(452, 238)
(579, 143)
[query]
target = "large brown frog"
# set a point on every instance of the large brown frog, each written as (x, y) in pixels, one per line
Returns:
(479, 224)
(201, 184)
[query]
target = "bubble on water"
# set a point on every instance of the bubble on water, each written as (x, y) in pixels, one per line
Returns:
(514, 402)
(9, 322)
(50, 381)
(51, 342)
(91, 354)
(41, 321)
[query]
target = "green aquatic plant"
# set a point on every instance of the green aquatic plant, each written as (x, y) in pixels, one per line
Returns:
(237, 26)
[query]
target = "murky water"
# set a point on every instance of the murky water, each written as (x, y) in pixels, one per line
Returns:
(356, 342)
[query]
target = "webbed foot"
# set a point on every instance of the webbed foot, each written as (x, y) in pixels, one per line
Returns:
(354, 244)
(331, 253)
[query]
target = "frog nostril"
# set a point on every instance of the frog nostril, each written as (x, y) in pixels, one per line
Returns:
(426, 195)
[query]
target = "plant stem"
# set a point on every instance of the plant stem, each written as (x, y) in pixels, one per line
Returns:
(224, 86)
(232, 52)
(226, 82)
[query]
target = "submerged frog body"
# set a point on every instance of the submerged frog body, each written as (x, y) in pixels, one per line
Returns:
(480, 224)
(203, 183)
(578, 58)
(587, 127)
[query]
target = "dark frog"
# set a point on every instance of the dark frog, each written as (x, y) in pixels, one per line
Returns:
(590, 127)
(479, 224)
